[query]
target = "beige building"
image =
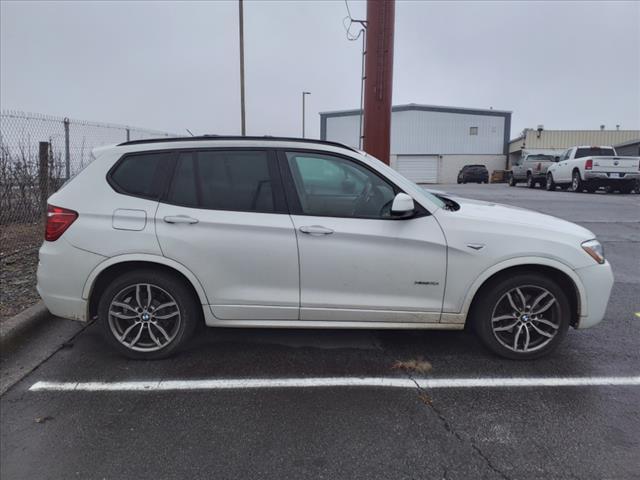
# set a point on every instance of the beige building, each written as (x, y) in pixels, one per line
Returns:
(557, 141)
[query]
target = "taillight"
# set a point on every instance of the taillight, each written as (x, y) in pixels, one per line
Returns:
(588, 165)
(58, 220)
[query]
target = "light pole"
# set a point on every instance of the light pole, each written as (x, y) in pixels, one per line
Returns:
(303, 97)
(241, 33)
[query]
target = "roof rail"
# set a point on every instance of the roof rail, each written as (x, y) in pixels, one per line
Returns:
(236, 137)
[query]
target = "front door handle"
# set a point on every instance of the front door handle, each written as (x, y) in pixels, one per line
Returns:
(316, 230)
(180, 219)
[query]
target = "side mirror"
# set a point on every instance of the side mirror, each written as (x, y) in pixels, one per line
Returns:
(402, 206)
(556, 158)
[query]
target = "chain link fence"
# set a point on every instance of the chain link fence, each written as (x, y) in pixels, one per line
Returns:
(38, 153)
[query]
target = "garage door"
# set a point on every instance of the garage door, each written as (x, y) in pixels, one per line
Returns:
(418, 168)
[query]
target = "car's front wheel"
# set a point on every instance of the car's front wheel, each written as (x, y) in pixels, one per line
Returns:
(522, 317)
(550, 184)
(148, 314)
(512, 181)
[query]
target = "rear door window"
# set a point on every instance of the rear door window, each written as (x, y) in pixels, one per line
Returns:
(140, 175)
(238, 180)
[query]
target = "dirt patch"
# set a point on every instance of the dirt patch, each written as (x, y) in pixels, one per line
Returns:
(417, 365)
(18, 282)
(15, 238)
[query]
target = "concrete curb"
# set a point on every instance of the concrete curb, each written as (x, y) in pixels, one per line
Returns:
(12, 329)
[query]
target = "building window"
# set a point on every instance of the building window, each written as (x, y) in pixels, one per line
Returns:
(473, 130)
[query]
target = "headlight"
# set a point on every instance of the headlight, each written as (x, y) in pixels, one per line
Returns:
(593, 248)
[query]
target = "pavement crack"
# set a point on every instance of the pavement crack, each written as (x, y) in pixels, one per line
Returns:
(447, 426)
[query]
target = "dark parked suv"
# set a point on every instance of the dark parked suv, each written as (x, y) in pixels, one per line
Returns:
(473, 173)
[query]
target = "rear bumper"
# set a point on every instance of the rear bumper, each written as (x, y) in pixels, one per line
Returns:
(597, 281)
(62, 273)
(475, 178)
(608, 179)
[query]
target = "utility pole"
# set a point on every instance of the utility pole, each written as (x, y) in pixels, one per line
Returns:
(303, 96)
(378, 78)
(241, 25)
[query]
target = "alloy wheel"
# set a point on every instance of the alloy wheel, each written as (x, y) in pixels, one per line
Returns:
(525, 318)
(144, 317)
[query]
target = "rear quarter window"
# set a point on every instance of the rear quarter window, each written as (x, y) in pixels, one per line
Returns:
(140, 175)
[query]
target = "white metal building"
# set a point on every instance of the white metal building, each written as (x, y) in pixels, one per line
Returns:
(430, 144)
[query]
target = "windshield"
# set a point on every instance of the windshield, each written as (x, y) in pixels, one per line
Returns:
(595, 152)
(541, 158)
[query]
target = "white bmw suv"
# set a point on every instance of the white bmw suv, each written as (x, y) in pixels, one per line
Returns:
(157, 236)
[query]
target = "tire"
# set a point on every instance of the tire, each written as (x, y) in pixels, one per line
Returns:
(494, 303)
(550, 185)
(459, 181)
(530, 182)
(156, 337)
(577, 185)
(626, 188)
(512, 182)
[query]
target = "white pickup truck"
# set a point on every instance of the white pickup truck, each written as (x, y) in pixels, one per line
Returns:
(589, 168)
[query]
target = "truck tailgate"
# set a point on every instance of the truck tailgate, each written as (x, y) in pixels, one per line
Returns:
(616, 164)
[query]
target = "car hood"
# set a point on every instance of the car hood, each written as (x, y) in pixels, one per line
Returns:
(496, 213)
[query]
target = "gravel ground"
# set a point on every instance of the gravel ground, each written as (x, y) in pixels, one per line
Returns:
(18, 263)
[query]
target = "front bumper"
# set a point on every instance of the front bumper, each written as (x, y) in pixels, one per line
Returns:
(597, 281)
(62, 272)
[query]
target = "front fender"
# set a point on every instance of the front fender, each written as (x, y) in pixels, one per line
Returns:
(523, 261)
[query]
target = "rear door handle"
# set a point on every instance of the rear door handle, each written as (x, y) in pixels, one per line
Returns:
(316, 230)
(180, 219)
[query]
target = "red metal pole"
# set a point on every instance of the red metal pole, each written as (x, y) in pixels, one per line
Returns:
(379, 78)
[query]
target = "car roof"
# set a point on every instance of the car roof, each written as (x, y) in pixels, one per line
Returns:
(253, 140)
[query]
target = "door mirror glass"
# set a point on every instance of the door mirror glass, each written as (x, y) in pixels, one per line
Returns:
(556, 158)
(402, 206)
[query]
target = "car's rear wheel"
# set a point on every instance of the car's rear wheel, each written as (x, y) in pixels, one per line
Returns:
(530, 182)
(627, 188)
(512, 182)
(148, 314)
(522, 317)
(577, 185)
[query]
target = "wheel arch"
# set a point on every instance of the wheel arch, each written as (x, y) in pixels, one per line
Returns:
(102, 274)
(560, 273)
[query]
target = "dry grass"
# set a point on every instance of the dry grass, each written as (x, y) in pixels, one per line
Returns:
(18, 283)
(18, 237)
(417, 365)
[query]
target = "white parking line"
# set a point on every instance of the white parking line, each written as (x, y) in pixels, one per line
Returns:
(379, 382)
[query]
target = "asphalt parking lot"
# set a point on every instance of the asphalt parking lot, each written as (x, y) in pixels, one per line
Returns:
(412, 431)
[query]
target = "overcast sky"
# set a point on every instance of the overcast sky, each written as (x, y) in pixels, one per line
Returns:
(174, 65)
